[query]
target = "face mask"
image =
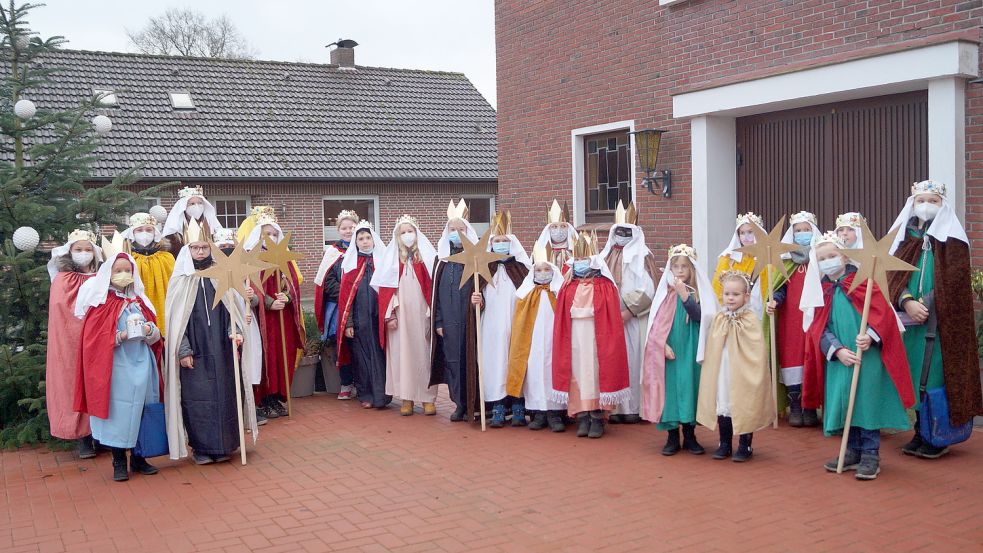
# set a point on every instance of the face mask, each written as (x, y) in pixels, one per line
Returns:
(143, 238)
(926, 211)
(122, 280)
(803, 238)
(747, 239)
(558, 235)
(501, 247)
(203, 263)
(408, 239)
(366, 251)
(454, 237)
(581, 266)
(542, 277)
(227, 251)
(620, 240)
(195, 211)
(830, 267)
(82, 259)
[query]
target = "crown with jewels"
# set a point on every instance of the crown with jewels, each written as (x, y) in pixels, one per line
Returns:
(189, 191)
(586, 245)
(81, 234)
(852, 219)
(928, 187)
(732, 275)
(556, 214)
(404, 218)
(625, 216)
(829, 237)
(348, 214)
(224, 236)
(750, 217)
(364, 224)
(803, 217)
(259, 210)
(502, 223)
(459, 211)
(682, 249)
(142, 219)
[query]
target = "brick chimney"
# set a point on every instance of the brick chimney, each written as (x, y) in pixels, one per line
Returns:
(344, 53)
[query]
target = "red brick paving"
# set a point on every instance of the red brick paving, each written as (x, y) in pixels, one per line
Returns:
(340, 478)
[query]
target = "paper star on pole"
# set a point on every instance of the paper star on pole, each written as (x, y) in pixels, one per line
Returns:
(476, 258)
(229, 272)
(768, 249)
(875, 260)
(278, 255)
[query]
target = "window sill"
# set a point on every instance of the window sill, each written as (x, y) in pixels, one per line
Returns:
(670, 2)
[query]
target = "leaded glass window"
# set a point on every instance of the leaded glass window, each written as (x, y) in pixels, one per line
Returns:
(607, 174)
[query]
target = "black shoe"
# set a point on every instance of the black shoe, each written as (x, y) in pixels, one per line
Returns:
(672, 443)
(120, 474)
(140, 465)
(616, 419)
(744, 450)
(266, 412)
(723, 451)
(869, 467)
(912, 447)
(630, 419)
(202, 459)
(689, 440)
(260, 419)
(850, 461)
(538, 421)
(583, 425)
(810, 418)
(278, 407)
(458, 414)
(87, 449)
(795, 417)
(596, 427)
(555, 420)
(929, 451)
(726, 428)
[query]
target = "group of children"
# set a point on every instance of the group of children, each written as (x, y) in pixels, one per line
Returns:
(596, 335)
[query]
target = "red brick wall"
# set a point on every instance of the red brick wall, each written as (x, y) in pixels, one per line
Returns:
(572, 64)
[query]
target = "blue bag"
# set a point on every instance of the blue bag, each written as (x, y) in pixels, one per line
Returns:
(934, 424)
(152, 439)
(330, 320)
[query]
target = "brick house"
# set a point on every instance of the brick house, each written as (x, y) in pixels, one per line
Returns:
(308, 139)
(770, 106)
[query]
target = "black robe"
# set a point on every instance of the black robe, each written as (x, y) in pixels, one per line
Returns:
(208, 400)
(454, 353)
(368, 359)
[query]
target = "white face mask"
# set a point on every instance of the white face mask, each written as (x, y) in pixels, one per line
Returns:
(926, 211)
(143, 238)
(195, 211)
(542, 277)
(366, 250)
(830, 267)
(408, 238)
(621, 240)
(82, 259)
(559, 235)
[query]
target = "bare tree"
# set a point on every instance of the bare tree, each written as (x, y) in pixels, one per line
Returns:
(186, 32)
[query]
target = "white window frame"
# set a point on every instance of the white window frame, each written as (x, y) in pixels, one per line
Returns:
(374, 198)
(191, 100)
(577, 150)
(491, 208)
(248, 199)
(108, 99)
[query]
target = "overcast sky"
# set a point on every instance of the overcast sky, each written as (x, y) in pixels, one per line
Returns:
(447, 35)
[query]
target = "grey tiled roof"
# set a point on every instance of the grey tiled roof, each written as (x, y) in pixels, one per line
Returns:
(280, 120)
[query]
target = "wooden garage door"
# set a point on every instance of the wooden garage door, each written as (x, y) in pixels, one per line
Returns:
(851, 156)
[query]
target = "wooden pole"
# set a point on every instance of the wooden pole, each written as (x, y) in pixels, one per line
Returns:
(773, 353)
(283, 347)
(481, 380)
(856, 373)
(238, 376)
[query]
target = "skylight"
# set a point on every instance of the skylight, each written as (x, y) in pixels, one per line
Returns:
(181, 100)
(106, 97)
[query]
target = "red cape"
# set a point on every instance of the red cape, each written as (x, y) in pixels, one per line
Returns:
(319, 294)
(346, 297)
(386, 295)
(612, 357)
(269, 327)
(882, 319)
(95, 356)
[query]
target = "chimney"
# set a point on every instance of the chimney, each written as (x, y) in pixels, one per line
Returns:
(344, 53)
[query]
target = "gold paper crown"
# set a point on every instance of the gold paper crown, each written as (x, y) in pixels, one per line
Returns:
(586, 245)
(682, 249)
(829, 237)
(190, 191)
(259, 210)
(803, 217)
(364, 224)
(459, 211)
(750, 217)
(732, 274)
(928, 187)
(539, 254)
(347, 214)
(625, 216)
(404, 218)
(224, 236)
(502, 223)
(113, 247)
(81, 234)
(852, 219)
(193, 233)
(556, 214)
(142, 219)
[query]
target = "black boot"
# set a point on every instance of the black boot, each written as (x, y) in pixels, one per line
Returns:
(583, 424)
(458, 414)
(87, 449)
(744, 451)
(726, 429)
(911, 448)
(538, 421)
(120, 473)
(139, 464)
(555, 420)
(689, 440)
(596, 424)
(794, 394)
(672, 443)
(810, 418)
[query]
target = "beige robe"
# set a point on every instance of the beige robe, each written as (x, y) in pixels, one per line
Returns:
(408, 347)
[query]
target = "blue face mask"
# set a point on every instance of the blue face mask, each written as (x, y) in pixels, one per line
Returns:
(501, 247)
(803, 238)
(454, 237)
(581, 266)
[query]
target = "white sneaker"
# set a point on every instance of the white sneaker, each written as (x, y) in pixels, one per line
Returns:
(346, 392)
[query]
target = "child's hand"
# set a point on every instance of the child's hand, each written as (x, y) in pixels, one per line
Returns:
(147, 329)
(391, 324)
(237, 338)
(250, 294)
(440, 332)
(476, 298)
(121, 336)
(916, 310)
(772, 305)
(282, 297)
(626, 315)
(188, 362)
(249, 318)
(350, 332)
(278, 305)
(864, 342)
(670, 355)
(847, 357)
(681, 289)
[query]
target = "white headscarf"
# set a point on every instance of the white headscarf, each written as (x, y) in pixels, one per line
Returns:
(64, 249)
(254, 235)
(176, 218)
(387, 272)
(708, 299)
(597, 263)
(350, 260)
(515, 250)
(945, 225)
(735, 242)
(789, 236)
(444, 244)
(860, 237)
(633, 255)
(529, 282)
(93, 292)
(546, 242)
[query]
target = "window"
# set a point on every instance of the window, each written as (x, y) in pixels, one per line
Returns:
(181, 100)
(231, 212)
(106, 97)
(607, 174)
(480, 210)
(367, 208)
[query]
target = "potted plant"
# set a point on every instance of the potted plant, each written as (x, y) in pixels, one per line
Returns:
(977, 281)
(303, 384)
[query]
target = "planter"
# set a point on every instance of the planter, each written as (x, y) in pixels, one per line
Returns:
(303, 384)
(332, 378)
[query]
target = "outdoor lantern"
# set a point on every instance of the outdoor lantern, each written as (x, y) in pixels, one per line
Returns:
(647, 145)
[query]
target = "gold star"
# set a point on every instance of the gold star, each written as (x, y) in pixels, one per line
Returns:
(278, 256)
(476, 258)
(875, 260)
(229, 272)
(768, 248)
(251, 258)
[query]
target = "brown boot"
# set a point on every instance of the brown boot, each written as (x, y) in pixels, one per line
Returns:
(407, 408)
(429, 409)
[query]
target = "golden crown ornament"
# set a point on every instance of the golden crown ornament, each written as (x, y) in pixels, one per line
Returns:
(142, 219)
(928, 187)
(190, 191)
(682, 249)
(586, 245)
(852, 219)
(626, 215)
(502, 223)
(556, 214)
